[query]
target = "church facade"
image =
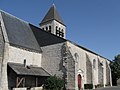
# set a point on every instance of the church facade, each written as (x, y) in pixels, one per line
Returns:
(30, 54)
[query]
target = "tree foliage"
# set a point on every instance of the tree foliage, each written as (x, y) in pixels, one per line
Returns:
(54, 83)
(115, 69)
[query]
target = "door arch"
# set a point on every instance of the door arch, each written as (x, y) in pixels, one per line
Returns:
(79, 82)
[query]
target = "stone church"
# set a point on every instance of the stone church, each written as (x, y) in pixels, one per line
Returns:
(30, 54)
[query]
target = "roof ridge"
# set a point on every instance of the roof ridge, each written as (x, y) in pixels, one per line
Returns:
(13, 16)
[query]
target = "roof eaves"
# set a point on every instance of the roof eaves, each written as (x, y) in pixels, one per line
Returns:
(51, 20)
(32, 71)
(26, 48)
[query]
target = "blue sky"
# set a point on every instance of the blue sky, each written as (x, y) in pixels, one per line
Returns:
(94, 24)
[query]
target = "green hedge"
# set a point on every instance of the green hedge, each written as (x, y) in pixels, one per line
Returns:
(88, 86)
(54, 83)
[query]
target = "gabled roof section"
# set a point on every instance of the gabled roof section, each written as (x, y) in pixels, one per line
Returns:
(19, 33)
(52, 14)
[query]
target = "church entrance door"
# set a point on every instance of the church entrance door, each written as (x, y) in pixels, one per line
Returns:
(79, 82)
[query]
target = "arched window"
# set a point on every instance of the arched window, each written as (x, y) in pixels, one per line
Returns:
(94, 63)
(76, 57)
(77, 60)
(59, 29)
(59, 32)
(56, 27)
(62, 33)
(62, 30)
(50, 28)
(42, 28)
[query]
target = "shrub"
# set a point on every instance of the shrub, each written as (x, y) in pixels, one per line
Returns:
(54, 83)
(88, 86)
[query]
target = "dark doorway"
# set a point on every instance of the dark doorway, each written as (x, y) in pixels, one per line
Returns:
(79, 82)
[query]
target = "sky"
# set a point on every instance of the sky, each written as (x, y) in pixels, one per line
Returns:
(93, 24)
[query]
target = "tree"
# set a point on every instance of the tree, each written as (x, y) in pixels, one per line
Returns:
(115, 69)
(54, 83)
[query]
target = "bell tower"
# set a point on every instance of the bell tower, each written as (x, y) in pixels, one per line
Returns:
(53, 23)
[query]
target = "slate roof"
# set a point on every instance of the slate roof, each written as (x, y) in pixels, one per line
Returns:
(19, 69)
(52, 14)
(19, 32)
(45, 38)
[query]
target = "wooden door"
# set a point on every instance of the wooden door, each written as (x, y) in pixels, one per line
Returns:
(79, 82)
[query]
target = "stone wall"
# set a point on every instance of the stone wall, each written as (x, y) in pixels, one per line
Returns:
(52, 59)
(80, 63)
(107, 74)
(89, 73)
(70, 70)
(57, 60)
(1, 51)
(1, 45)
(18, 55)
(100, 72)
(4, 78)
(60, 59)
(93, 72)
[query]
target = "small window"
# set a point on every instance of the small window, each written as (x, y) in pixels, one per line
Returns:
(24, 62)
(46, 28)
(59, 29)
(49, 28)
(62, 30)
(56, 27)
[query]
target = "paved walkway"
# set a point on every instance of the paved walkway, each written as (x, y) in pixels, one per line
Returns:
(109, 88)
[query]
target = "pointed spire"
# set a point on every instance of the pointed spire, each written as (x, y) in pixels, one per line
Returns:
(53, 4)
(52, 14)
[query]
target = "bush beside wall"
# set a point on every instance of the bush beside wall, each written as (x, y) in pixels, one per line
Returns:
(88, 86)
